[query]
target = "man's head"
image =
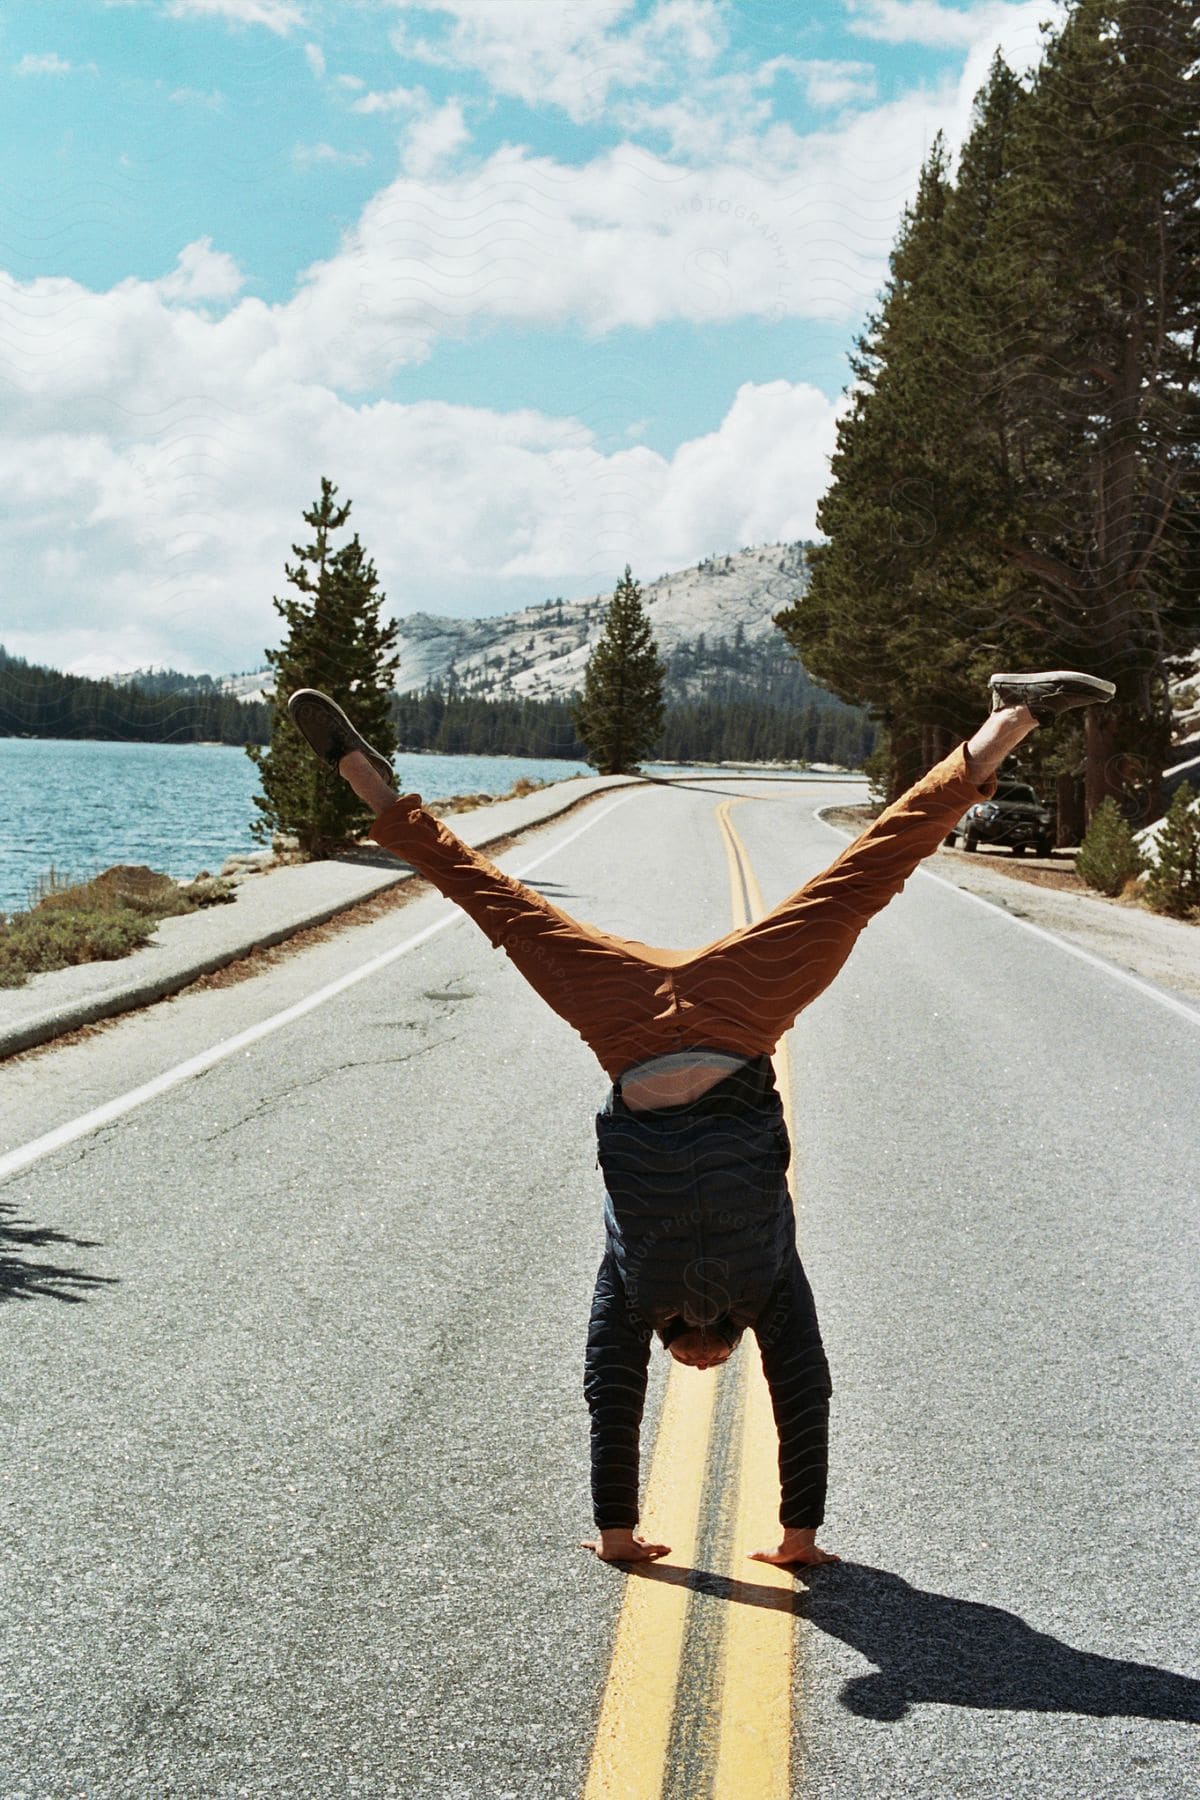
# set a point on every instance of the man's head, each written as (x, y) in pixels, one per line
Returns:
(702, 1347)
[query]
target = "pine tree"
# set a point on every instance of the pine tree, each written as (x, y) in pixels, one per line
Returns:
(336, 641)
(1098, 232)
(1017, 482)
(1109, 856)
(864, 626)
(620, 713)
(1173, 883)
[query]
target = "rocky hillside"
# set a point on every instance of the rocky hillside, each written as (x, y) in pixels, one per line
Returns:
(540, 651)
(712, 623)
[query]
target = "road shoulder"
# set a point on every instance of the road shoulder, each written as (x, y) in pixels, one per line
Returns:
(270, 909)
(1150, 945)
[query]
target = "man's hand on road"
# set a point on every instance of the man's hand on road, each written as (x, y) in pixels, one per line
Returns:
(796, 1545)
(624, 1546)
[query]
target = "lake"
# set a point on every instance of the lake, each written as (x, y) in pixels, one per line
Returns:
(79, 806)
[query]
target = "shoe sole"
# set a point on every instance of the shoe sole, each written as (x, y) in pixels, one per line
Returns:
(1101, 688)
(322, 702)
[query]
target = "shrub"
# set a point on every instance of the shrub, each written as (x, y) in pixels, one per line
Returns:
(128, 887)
(877, 767)
(95, 921)
(1173, 883)
(33, 942)
(459, 803)
(1108, 856)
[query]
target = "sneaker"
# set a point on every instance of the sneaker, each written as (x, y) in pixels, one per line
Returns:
(328, 731)
(1050, 692)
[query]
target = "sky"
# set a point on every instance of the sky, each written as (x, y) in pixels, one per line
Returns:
(544, 287)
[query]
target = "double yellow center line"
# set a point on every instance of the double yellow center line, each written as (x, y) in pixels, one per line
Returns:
(698, 1700)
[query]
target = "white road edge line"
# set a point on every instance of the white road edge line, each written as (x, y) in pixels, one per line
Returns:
(1182, 1007)
(16, 1160)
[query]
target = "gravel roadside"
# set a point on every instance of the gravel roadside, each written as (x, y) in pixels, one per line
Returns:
(1047, 892)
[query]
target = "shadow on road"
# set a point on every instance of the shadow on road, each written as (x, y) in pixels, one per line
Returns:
(23, 1279)
(933, 1649)
(554, 890)
(693, 787)
(365, 857)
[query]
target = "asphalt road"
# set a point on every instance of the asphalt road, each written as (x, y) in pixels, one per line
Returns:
(294, 1464)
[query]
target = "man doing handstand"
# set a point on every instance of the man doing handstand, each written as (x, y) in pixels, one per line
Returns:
(700, 1233)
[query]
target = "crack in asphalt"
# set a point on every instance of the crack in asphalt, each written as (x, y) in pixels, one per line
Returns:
(269, 1101)
(88, 1147)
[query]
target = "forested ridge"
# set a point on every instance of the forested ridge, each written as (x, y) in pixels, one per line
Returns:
(160, 707)
(739, 700)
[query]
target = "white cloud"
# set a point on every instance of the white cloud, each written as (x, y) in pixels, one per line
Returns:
(702, 124)
(569, 56)
(836, 83)
(155, 455)
(277, 15)
(185, 96)
(163, 540)
(628, 239)
(304, 155)
(202, 273)
(314, 56)
(48, 64)
(159, 439)
(397, 99)
(756, 478)
(785, 227)
(730, 117)
(433, 140)
(927, 22)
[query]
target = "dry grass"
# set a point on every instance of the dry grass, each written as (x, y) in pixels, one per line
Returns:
(467, 802)
(70, 922)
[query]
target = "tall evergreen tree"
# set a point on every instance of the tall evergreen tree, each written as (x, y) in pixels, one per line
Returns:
(1099, 233)
(1019, 478)
(620, 712)
(859, 627)
(338, 641)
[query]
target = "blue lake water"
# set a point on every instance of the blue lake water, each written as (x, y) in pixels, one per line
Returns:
(79, 806)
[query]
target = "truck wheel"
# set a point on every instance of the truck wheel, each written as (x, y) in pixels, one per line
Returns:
(970, 841)
(1045, 847)
(1018, 849)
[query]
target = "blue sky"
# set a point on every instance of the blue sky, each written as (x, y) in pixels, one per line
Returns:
(544, 285)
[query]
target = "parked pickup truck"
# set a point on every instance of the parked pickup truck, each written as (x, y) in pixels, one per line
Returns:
(1014, 816)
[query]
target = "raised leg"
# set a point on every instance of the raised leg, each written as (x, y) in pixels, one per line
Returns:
(760, 978)
(742, 992)
(590, 979)
(996, 739)
(367, 782)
